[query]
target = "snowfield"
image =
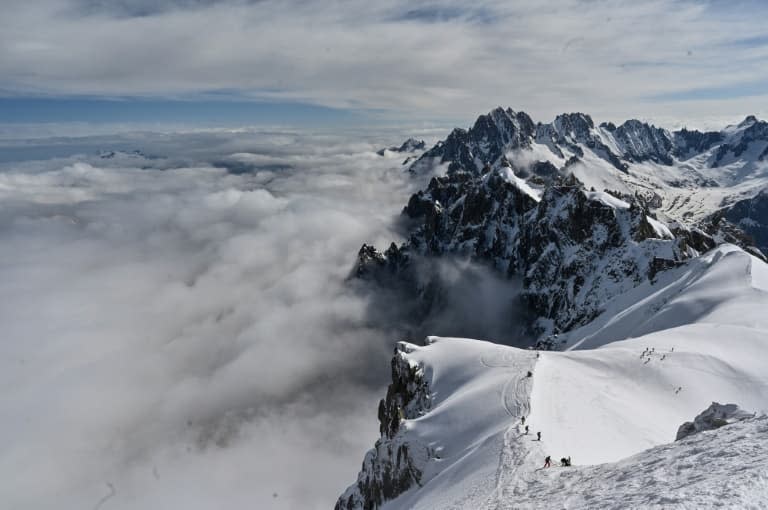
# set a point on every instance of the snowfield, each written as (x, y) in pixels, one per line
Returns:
(613, 401)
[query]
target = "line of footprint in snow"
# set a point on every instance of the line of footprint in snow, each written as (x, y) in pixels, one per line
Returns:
(518, 460)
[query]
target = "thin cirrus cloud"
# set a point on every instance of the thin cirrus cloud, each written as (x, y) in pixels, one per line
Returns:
(417, 59)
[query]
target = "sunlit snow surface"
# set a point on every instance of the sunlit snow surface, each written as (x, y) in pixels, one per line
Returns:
(612, 408)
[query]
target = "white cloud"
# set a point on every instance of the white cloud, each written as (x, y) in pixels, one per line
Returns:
(606, 57)
(184, 335)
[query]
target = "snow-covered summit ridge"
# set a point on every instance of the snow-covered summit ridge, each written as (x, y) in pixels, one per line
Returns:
(694, 336)
(686, 175)
(497, 134)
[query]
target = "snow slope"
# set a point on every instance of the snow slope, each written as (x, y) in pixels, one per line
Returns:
(480, 392)
(605, 404)
(697, 335)
(723, 468)
(709, 336)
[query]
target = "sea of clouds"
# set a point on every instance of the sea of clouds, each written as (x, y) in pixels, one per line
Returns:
(178, 328)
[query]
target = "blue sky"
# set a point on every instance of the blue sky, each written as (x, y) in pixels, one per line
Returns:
(344, 62)
(225, 111)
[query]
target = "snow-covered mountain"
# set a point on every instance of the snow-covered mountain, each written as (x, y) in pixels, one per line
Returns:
(634, 157)
(581, 213)
(452, 434)
(639, 247)
(751, 215)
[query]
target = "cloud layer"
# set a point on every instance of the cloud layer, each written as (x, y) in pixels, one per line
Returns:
(177, 335)
(664, 59)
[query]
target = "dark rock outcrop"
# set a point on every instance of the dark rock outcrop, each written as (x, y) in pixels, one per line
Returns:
(395, 464)
(410, 145)
(573, 249)
(751, 216)
(713, 417)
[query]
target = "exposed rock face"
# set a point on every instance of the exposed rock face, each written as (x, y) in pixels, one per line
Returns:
(752, 131)
(639, 141)
(573, 249)
(469, 215)
(751, 215)
(713, 417)
(483, 144)
(689, 143)
(579, 249)
(395, 464)
(500, 132)
(410, 145)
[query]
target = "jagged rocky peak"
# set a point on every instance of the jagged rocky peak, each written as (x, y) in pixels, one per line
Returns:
(463, 214)
(501, 132)
(509, 126)
(380, 267)
(748, 121)
(581, 248)
(574, 249)
(527, 215)
(484, 144)
(577, 125)
(640, 141)
(756, 131)
(410, 145)
(691, 142)
(751, 216)
(749, 135)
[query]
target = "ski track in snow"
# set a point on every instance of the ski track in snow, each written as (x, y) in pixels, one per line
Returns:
(613, 406)
(515, 457)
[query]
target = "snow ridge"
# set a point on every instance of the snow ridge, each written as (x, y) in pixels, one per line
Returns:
(614, 409)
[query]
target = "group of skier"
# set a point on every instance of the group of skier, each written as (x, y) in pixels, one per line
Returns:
(564, 462)
(650, 351)
(647, 355)
(522, 422)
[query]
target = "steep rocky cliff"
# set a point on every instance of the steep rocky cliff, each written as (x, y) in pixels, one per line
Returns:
(508, 197)
(395, 463)
(574, 249)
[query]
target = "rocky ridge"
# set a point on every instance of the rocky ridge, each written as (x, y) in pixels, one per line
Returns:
(574, 248)
(494, 135)
(395, 463)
